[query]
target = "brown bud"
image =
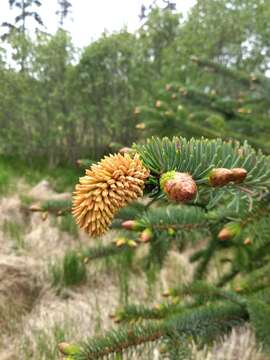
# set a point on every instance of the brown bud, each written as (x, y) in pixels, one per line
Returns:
(174, 96)
(247, 241)
(168, 87)
(166, 293)
(117, 320)
(179, 187)
(220, 177)
(239, 175)
(35, 207)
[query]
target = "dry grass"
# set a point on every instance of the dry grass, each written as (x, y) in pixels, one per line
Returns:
(34, 318)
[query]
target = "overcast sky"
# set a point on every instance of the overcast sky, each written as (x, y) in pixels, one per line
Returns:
(89, 18)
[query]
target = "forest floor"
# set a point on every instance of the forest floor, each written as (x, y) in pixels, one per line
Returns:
(35, 316)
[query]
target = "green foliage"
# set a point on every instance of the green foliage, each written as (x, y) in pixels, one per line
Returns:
(56, 206)
(69, 272)
(4, 182)
(46, 344)
(67, 224)
(260, 320)
(15, 231)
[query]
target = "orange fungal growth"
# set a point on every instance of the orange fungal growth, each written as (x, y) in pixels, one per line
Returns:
(107, 186)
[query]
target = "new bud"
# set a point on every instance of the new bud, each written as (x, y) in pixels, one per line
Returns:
(220, 177)
(120, 242)
(171, 231)
(239, 175)
(68, 349)
(132, 243)
(146, 235)
(131, 225)
(229, 231)
(178, 186)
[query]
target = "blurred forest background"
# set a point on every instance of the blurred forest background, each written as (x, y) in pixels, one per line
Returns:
(59, 103)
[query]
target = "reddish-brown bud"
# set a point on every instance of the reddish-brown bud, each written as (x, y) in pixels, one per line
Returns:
(239, 175)
(247, 241)
(131, 225)
(229, 231)
(220, 177)
(224, 234)
(179, 187)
